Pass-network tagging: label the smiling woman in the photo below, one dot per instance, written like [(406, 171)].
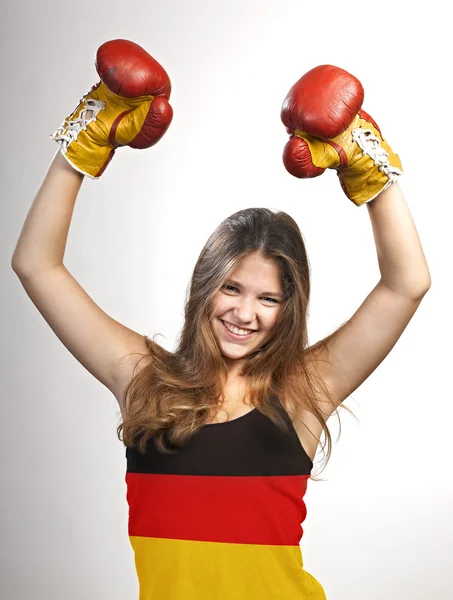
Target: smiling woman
[(216, 505), (243, 477), (241, 312), (244, 337)]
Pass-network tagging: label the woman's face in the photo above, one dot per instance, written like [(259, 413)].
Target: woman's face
[(249, 299)]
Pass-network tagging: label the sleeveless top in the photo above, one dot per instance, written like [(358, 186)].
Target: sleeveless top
[(221, 519)]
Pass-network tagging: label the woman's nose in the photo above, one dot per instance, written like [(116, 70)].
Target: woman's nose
[(244, 312)]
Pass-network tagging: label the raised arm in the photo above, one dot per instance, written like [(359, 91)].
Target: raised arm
[(363, 342), (330, 130), (95, 339), (100, 343), (42, 241)]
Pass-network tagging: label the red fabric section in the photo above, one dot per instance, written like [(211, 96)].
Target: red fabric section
[(249, 510)]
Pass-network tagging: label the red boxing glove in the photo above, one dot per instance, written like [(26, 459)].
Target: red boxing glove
[(130, 72), (322, 113), (129, 106)]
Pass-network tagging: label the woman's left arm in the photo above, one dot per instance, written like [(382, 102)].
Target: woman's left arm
[(402, 262), (357, 348), (329, 129)]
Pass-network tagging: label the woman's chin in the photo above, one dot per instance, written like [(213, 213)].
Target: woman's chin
[(236, 353), (233, 355)]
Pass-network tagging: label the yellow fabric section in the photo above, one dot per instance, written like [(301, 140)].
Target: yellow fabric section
[(170, 569), (362, 180), (91, 148), (322, 155), (131, 124)]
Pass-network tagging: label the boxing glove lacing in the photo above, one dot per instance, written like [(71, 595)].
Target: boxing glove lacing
[(69, 130), (371, 145)]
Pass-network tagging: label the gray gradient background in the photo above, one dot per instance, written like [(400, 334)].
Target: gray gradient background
[(380, 526)]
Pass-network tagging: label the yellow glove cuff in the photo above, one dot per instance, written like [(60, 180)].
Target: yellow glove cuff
[(101, 122), (365, 163)]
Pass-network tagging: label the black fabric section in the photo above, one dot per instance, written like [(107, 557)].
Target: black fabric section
[(249, 446)]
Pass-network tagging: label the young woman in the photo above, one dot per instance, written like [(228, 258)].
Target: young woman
[(221, 434)]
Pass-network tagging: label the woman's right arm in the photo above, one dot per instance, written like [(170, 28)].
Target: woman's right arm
[(96, 340), (89, 136)]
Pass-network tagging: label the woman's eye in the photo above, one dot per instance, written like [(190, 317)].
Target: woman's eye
[(231, 287)]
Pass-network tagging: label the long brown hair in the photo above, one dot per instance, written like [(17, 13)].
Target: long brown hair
[(176, 393)]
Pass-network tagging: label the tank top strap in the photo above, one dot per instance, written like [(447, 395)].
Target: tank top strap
[(291, 429), (275, 400)]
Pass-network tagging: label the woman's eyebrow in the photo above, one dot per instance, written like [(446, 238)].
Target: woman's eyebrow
[(239, 285)]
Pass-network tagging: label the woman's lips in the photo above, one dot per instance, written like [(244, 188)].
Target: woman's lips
[(236, 336)]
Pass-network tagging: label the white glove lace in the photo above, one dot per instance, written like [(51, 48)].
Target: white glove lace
[(69, 130), (370, 145)]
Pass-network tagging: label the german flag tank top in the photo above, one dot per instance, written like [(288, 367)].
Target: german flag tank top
[(221, 519)]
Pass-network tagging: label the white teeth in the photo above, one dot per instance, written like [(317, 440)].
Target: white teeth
[(236, 329)]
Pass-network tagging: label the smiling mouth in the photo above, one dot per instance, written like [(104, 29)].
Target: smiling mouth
[(249, 331)]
